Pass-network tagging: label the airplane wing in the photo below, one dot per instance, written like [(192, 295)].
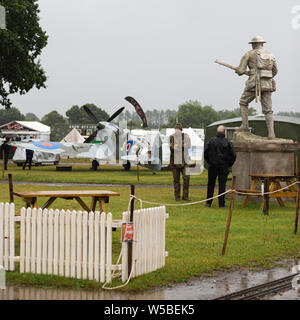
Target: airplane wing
[(49, 147)]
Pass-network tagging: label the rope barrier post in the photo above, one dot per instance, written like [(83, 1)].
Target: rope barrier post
[(266, 197), (297, 205), (229, 214), (11, 190), (3, 157), (132, 192)]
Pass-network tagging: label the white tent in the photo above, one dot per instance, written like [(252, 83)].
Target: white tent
[(27, 130), (73, 136)]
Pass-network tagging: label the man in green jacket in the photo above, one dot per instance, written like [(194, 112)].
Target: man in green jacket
[(179, 146)]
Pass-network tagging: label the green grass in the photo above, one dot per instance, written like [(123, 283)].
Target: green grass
[(75, 160), (194, 238), (105, 174)]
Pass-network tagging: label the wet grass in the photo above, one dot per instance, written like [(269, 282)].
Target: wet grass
[(194, 238), (105, 175)]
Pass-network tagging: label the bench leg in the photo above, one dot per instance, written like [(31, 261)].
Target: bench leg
[(280, 201), (102, 204), (292, 188), (252, 187), (94, 203), (81, 202), (48, 203)]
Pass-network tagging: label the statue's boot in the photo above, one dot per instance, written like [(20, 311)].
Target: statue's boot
[(270, 125), (244, 114)]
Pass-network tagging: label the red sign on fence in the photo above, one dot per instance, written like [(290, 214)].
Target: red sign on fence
[(127, 232)]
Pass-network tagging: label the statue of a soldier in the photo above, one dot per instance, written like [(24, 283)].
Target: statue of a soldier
[(262, 69)]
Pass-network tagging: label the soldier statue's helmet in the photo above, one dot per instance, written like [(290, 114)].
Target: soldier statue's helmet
[(257, 39), (178, 126)]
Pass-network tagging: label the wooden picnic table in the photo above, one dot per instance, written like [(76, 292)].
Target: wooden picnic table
[(100, 196), (274, 182)]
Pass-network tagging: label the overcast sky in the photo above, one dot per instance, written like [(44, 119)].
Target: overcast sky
[(161, 52)]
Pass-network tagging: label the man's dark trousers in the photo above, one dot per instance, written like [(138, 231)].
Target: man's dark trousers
[(29, 161), (222, 174), (6, 154), (5, 149), (29, 156), (177, 186)]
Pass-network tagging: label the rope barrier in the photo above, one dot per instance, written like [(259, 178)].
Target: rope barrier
[(265, 193), (212, 198), (181, 205)]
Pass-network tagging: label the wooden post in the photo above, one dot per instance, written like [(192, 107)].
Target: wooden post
[(297, 206), (3, 163), (11, 188), (266, 197), (132, 192), (138, 172), (297, 172), (229, 215)]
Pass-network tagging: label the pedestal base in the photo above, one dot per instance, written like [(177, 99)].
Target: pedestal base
[(257, 155)]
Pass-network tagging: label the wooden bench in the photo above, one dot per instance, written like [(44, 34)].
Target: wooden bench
[(274, 182)]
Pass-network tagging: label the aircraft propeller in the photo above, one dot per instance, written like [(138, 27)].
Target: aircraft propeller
[(100, 126)]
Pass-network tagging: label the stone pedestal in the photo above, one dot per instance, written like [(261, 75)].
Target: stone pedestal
[(257, 155)]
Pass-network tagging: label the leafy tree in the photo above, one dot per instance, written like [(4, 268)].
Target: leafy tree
[(235, 113), (57, 123), (192, 114), (155, 118), (20, 46), (169, 113), (77, 115), (31, 117), (12, 114), (251, 111), (53, 118), (289, 114)]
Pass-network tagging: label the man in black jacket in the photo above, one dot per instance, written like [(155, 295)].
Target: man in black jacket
[(220, 155), (5, 148)]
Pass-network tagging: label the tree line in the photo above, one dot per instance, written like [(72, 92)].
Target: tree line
[(190, 114)]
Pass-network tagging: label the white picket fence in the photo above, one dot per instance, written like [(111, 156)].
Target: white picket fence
[(7, 236), (66, 243), (79, 244), (148, 252)]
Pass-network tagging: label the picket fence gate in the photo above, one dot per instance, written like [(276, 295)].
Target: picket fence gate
[(148, 247), (66, 243), (79, 244)]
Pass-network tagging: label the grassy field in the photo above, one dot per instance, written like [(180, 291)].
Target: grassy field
[(194, 238), (105, 174)]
